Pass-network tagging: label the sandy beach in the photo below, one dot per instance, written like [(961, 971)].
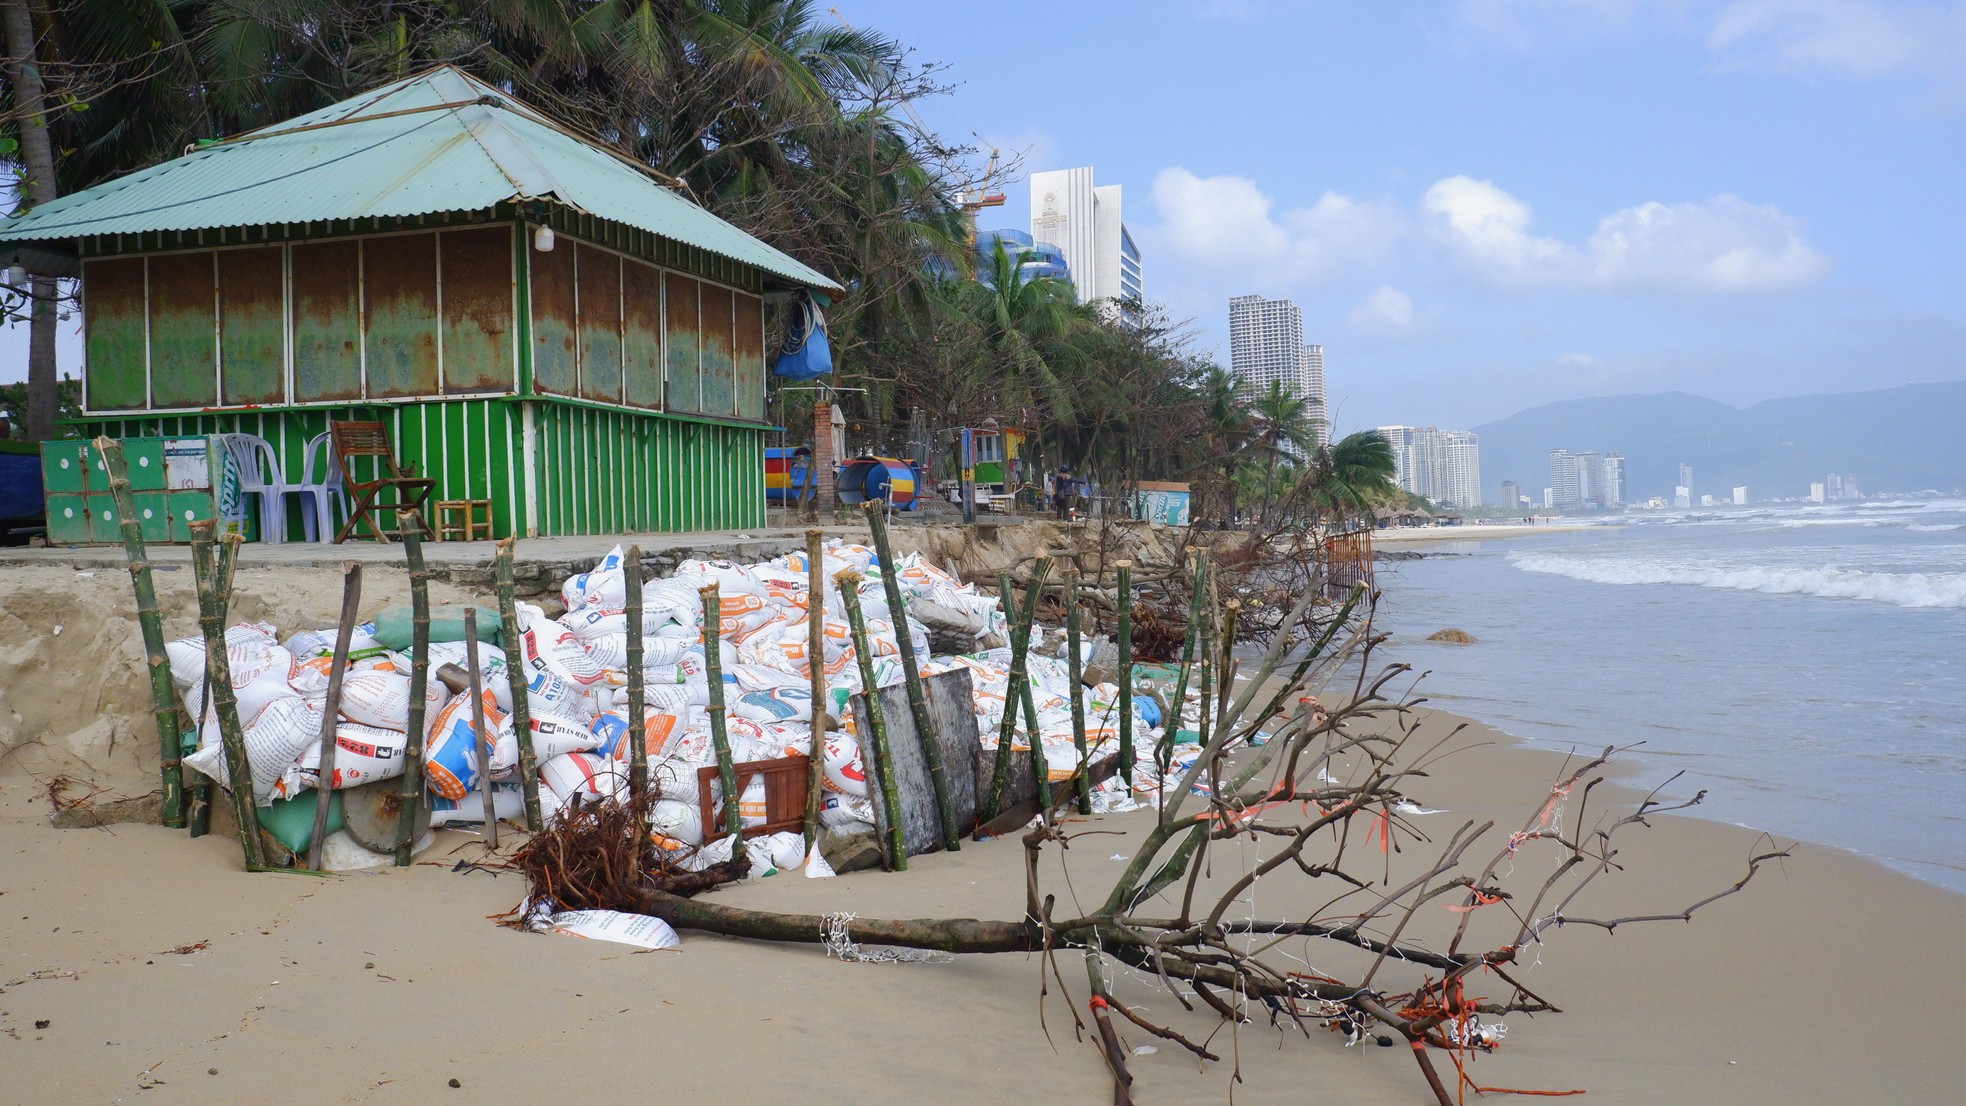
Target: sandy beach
[(153, 960)]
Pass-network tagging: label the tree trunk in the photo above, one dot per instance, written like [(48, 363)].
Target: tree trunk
[(38, 160), (945, 934)]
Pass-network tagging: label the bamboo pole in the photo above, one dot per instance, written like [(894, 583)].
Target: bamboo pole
[(1165, 754), (1225, 665), (1020, 642), (1126, 668), (351, 603), (873, 744), (218, 687), (816, 669), (411, 793), (1040, 771), (938, 774), (486, 739), (1076, 666), (713, 641), (515, 676), (198, 817), (637, 736), (163, 699)]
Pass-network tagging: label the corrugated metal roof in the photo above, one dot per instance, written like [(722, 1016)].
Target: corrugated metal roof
[(441, 141)]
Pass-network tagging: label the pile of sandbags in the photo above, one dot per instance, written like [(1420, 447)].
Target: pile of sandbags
[(574, 671)]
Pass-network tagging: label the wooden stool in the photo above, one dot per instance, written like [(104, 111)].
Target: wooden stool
[(469, 526)]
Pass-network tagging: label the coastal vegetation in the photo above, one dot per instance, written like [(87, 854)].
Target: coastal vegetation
[(772, 114)]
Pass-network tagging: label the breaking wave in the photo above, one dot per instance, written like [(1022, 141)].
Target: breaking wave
[(1906, 589), (1939, 529)]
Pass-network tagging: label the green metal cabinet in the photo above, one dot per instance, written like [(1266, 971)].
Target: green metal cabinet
[(68, 519)]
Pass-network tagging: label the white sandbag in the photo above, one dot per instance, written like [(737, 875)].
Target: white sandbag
[(610, 732), (508, 803), (363, 754), (582, 775), (639, 930), (376, 698), (588, 623), (547, 646), (551, 736), (676, 824), (846, 813), (602, 586), (455, 757), (273, 739), (780, 704), (840, 768), (786, 848)]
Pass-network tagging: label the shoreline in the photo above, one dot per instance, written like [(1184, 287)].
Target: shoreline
[(1411, 535)]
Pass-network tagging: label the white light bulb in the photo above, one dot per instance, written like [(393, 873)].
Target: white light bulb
[(542, 239)]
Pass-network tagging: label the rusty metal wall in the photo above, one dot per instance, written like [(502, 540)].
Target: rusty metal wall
[(719, 382), (399, 316), (748, 355), (641, 341), (554, 326), (183, 331), (252, 325), (326, 278), (478, 310), (599, 282), (117, 369), (680, 339)]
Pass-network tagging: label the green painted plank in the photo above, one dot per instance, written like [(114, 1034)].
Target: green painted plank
[(183, 334), (116, 359), (252, 321)]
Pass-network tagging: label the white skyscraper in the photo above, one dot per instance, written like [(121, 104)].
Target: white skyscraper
[(1084, 222), (1613, 483), (1441, 465), (1266, 345)]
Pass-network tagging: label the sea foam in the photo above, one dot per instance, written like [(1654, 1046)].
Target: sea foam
[(1906, 589)]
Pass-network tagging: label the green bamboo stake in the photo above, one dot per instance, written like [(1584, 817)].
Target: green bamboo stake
[(351, 605), (198, 816), (486, 739), (816, 670), (1164, 755), (1225, 662), (719, 731), (218, 687), (515, 678), (873, 745), (1077, 671), (1020, 642), (637, 736), (1040, 771), (938, 775), (1126, 669), (410, 794), (163, 700)]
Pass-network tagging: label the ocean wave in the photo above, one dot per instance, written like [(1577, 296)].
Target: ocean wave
[(1907, 589), (1937, 529)]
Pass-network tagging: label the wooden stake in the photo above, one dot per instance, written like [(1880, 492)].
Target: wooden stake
[(1076, 667), (1020, 641), (1126, 669), (486, 739), (713, 640), (411, 793), (218, 687), (163, 699), (1164, 755), (637, 735), (873, 736), (816, 668), (351, 603), (938, 775), (198, 817), (515, 677)]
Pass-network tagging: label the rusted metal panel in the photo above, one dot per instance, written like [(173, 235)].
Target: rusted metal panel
[(680, 338), (719, 388), (477, 295), (553, 323), (183, 333), (117, 365), (748, 355), (399, 315), (327, 334), (252, 310), (600, 324), (641, 334)]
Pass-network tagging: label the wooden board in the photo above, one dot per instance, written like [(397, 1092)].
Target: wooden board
[(952, 712)]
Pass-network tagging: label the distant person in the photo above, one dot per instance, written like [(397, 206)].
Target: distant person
[(1064, 494)]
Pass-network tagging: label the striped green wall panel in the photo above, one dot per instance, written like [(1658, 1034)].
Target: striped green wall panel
[(613, 472)]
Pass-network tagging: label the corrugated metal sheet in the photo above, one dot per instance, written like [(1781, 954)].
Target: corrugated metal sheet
[(488, 150)]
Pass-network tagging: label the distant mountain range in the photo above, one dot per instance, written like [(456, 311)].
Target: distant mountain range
[(1896, 439)]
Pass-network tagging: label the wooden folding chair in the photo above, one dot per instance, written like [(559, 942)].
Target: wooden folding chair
[(371, 439)]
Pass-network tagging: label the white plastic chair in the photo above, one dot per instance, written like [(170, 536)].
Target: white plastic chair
[(319, 493), (259, 474)]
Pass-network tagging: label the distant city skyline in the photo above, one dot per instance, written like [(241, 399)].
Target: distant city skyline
[(1266, 342), (1440, 465)]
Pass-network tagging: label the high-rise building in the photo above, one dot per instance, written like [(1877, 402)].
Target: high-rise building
[(1740, 495), (1033, 258), (1850, 486), (1833, 487), (1511, 494), (1612, 486), (1564, 493), (1589, 494), (1266, 346), (1441, 465), (1084, 222), (1816, 493)]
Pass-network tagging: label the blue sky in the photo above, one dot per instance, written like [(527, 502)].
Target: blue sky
[(1485, 205)]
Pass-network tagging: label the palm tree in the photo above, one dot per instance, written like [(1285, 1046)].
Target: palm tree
[(1025, 320), (1226, 432), (1283, 429), (1348, 477)]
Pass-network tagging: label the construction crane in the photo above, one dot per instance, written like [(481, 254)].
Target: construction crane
[(970, 203)]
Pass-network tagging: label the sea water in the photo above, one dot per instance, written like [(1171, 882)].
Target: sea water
[(1805, 666)]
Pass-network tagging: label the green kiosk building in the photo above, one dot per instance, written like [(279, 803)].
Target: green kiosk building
[(539, 322)]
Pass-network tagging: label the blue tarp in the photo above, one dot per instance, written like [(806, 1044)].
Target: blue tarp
[(20, 485)]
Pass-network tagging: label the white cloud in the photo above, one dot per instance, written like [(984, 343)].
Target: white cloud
[(1524, 24), (1719, 245), (1842, 38), (1386, 311), (1228, 225)]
